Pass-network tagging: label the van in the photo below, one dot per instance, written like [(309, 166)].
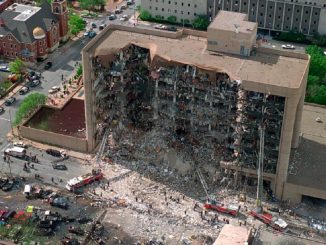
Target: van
[(16, 152), (27, 190)]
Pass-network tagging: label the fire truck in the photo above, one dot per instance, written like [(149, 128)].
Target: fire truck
[(230, 209), (78, 182), (267, 218)]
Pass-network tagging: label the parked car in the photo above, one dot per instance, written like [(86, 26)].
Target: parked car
[(20, 144), (2, 109), (124, 7), (130, 2), (48, 65), (86, 33), (32, 84), (288, 46), (8, 186), (3, 181), (59, 166), (118, 11), (8, 215), (91, 34), (54, 89), (56, 153), (24, 90), (94, 25), (59, 202), (161, 27), (102, 26), (112, 17), (10, 101), (172, 28), (4, 68)]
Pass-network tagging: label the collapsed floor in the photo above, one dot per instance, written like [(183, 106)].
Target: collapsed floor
[(192, 118)]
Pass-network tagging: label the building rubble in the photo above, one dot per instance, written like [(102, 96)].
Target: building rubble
[(159, 108)]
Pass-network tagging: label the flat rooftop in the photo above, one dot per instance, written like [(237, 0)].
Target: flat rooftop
[(268, 71), (232, 21), (26, 11), (233, 235), (308, 165)]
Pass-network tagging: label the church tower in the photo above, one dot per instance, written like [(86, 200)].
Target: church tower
[(59, 8)]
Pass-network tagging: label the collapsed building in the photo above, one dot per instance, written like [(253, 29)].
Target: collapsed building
[(204, 98)]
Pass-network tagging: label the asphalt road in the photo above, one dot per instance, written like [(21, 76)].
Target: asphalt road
[(64, 60), (44, 168)]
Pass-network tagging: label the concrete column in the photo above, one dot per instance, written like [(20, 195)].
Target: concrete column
[(285, 145), (297, 125), (89, 101)]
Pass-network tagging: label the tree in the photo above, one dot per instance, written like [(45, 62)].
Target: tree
[(86, 4), (28, 106), (18, 67), (201, 22), (76, 24), (172, 19), (145, 15)]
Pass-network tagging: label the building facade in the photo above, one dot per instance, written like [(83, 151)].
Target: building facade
[(306, 16), (190, 87), (181, 9), (30, 32)]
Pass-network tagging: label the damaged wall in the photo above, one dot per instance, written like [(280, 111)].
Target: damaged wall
[(203, 116)]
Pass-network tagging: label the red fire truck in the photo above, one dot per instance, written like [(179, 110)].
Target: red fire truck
[(231, 209), (275, 222), (83, 180)]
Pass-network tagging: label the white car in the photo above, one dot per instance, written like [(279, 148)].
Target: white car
[(20, 144), (86, 33), (161, 27), (54, 89), (288, 46), (123, 18)]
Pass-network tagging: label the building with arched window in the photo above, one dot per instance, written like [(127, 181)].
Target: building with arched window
[(31, 32)]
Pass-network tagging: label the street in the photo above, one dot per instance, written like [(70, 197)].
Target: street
[(44, 168)]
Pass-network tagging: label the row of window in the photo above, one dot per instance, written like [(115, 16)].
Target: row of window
[(175, 11), (175, 3)]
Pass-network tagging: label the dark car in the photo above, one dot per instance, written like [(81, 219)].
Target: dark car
[(8, 186), (112, 17), (3, 181), (53, 152), (118, 11), (48, 65), (59, 202), (10, 101), (59, 166), (24, 90), (124, 7), (91, 34), (32, 84), (94, 25), (8, 215), (84, 220), (101, 27), (2, 109), (130, 2), (172, 28)]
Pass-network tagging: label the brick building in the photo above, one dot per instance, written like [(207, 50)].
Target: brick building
[(31, 32)]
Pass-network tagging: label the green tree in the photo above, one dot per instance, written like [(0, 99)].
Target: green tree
[(79, 71), (172, 19), (76, 24), (145, 15), (201, 22), (18, 67), (28, 106), (87, 5)]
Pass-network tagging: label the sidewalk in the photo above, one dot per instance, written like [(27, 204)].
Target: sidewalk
[(12, 93)]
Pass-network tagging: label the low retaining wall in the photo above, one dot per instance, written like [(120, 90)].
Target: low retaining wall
[(50, 138)]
